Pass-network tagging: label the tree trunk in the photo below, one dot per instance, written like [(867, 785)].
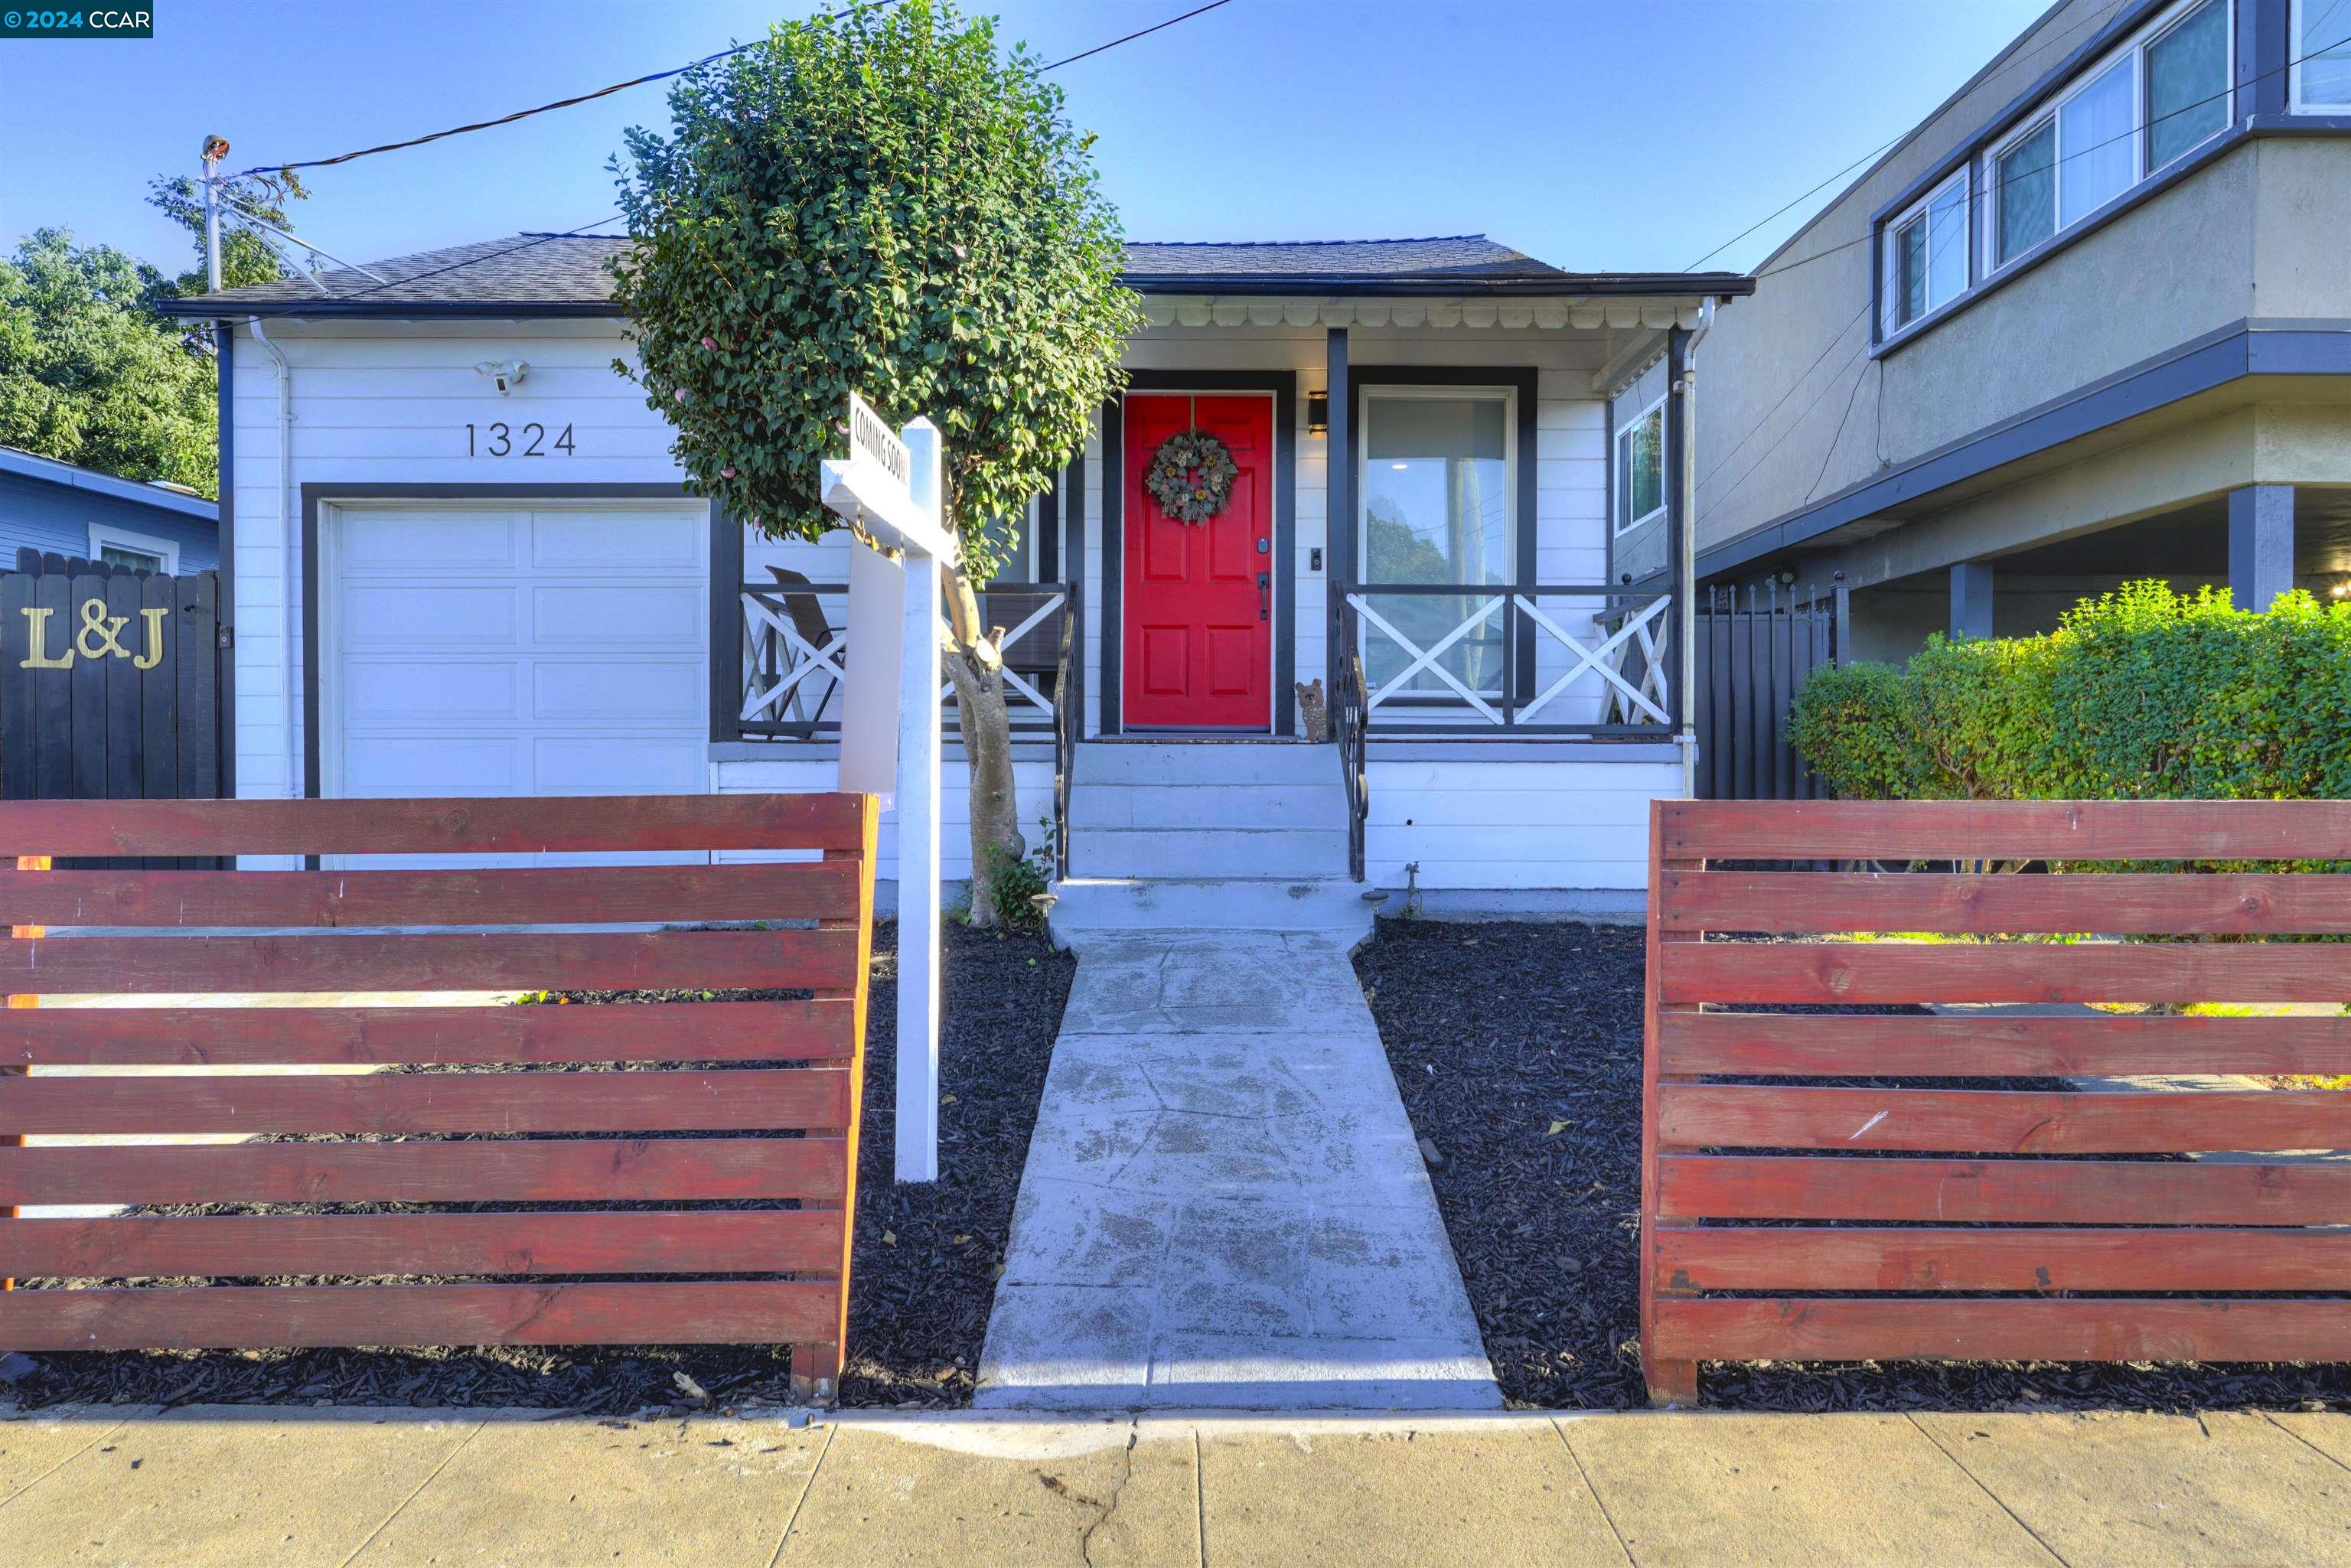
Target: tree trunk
[(975, 663)]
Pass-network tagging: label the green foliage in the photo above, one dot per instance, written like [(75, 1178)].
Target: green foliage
[(2142, 693), (245, 256), (1855, 724), (1017, 881), (875, 202), (89, 372)]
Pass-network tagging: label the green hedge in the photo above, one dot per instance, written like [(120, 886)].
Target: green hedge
[(2144, 693)]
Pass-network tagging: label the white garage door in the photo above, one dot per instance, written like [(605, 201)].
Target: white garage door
[(509, 650)]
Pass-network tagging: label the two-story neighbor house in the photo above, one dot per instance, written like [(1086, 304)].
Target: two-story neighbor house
[(465, 564), (2091, 320)]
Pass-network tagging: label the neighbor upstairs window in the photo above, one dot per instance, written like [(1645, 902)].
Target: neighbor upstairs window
[(2188, 82), (2137, 112), (1927, 253), (2322, 80)]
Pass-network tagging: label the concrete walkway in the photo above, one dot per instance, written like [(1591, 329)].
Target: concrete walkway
[(1224, 1205), (227, 1489)]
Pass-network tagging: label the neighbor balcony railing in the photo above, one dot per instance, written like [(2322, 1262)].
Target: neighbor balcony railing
[(1495, 662), (796, 650)]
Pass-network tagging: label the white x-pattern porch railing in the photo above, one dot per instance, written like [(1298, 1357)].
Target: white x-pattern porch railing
[(1627, 653), (793, 664)]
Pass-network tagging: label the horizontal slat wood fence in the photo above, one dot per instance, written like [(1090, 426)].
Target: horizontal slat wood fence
[(1931, 1220), (727, 1101)]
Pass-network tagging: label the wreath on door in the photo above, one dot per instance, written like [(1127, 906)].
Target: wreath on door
[(1191, 476)]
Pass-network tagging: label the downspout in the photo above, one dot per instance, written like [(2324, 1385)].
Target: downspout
[(286, 545), (1686, 591)]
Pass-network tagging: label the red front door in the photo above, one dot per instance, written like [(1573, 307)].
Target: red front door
[(1198, 615)]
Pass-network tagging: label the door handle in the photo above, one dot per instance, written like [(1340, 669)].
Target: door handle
[(1264, 581)]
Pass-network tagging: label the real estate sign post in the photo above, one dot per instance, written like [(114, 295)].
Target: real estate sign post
[(890, 740)]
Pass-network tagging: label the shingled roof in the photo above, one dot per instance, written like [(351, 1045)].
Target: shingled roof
[(565, 275)]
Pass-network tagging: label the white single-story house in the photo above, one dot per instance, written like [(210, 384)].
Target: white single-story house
[(465, 564)]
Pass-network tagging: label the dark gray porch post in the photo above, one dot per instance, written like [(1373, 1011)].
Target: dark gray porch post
[(1971, 599), (1339, 497), (2261, 544)]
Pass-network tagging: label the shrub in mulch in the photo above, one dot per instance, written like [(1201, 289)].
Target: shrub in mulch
[(1517, 1049), (921, 1282)]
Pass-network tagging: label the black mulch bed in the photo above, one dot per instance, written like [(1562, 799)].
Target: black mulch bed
[(921, 1284), (1496, 1032)]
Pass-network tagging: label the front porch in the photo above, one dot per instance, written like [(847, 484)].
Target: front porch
[(1415, 581)]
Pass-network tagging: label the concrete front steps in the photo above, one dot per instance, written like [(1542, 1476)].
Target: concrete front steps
[(1208, 835)]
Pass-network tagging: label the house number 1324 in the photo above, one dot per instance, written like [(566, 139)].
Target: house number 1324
[(514, 441)]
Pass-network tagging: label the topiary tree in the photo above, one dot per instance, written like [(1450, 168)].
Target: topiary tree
[(880, 203)]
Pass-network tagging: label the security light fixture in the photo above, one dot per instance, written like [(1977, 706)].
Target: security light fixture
[(505, 374), (1318, 414)]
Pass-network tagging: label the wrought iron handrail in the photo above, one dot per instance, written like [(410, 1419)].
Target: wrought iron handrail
[(1067, 722), (1625, 661), (1348, 718)]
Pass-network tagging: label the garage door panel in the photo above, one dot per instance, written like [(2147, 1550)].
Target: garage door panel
[(485, 649), (404, 538), (653, 541), (380, 615), (643, 617), (377, 688), (434, 764), (621, 765), (659, 691)]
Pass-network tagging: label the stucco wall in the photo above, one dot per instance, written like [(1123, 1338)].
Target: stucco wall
[(1796, 406)]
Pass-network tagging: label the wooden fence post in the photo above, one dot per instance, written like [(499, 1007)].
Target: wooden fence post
[(816, 1368), (1670, 1382), (17, 1140)]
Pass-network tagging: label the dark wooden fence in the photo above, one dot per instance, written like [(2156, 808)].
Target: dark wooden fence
[(733, 1099), (1776, 1227), (111, 684), (1756, 646)]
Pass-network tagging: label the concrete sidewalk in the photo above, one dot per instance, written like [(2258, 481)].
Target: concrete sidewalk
[(1223, 1206), (212, 1488)]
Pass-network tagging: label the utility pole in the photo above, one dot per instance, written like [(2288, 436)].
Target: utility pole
[(216, 149)]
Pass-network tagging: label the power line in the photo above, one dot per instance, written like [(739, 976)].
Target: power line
[(1145, 33), (530, 243), (2035, 53), (1793, 382), (538, 240), (2001, 181), (1873, 237), (517, 114)]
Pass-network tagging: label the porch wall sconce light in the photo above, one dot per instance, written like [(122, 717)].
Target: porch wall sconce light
[(1318, 414)]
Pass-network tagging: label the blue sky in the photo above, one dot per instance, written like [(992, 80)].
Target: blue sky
[(1595, 136)]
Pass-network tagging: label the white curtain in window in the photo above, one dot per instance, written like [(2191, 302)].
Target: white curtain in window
[(2325, 53), (2094, 136), (2186, 84)]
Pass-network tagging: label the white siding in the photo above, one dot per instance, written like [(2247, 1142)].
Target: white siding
[(1033, 773), (1472, 822), (378, 403), (386, 403)]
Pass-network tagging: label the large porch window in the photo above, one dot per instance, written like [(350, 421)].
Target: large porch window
[(1439, 508)]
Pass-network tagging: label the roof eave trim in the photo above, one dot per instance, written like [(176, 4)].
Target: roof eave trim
[(1557, 286), (205, 308)]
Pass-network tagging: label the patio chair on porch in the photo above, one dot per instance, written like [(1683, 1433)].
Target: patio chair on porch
[(802, 607)]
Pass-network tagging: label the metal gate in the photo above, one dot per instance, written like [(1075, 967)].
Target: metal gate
[(1756, 646), (111, 683)]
